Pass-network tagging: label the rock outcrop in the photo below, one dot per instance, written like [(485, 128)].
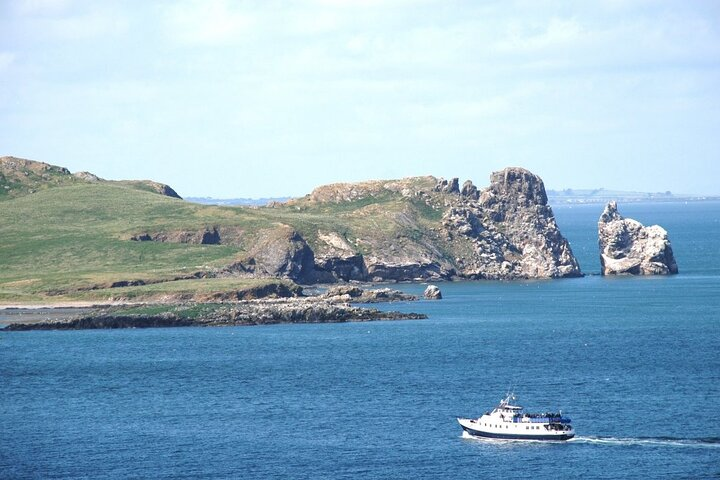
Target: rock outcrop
[(469, 190), (87, 177), (354, 294), (283, 253), (432, 292), (509, 231), (164, 189), (335, 256), (206, 236), (151, 186), (20, 176), (628, 247), (448, 186)]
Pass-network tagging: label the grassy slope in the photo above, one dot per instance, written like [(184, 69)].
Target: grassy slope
[(74, 237)]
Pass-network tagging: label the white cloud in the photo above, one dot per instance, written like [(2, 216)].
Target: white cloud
[(528, 38), (212, 22)]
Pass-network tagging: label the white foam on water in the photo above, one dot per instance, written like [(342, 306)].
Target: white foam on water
[(616, 441), (650, 441)]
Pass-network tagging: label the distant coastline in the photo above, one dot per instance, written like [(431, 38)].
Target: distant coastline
[(555, 197), (601, 195), (243, 202)]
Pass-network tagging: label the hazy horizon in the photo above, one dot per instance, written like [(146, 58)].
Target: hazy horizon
[(237, 99)]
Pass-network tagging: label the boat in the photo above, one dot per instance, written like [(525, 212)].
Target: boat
[(508, 421)]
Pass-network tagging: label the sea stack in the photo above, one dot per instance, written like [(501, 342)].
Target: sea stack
[(508, 230), (627, 247)]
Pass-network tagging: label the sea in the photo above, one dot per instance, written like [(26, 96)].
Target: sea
[(635, 362)]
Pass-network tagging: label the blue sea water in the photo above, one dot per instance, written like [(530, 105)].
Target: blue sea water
[(635, 362)]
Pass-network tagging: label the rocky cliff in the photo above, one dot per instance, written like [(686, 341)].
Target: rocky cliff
[(420, 228), (507, 230), (628, 247)]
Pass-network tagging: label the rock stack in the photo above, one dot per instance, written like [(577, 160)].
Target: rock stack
[(509, 230), (629, 248)]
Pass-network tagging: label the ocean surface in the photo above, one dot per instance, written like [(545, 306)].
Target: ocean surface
[(635, 362)]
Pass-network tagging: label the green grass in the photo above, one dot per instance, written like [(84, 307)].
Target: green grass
[(77, 236), (179, 290), (189, 311), (59, 242)]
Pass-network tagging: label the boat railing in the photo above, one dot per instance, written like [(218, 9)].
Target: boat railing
[(540, 419)]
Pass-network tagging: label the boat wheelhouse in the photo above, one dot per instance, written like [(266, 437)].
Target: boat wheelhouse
[(508, 421)]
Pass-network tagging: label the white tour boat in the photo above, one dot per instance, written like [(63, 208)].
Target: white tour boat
[(508, 421)]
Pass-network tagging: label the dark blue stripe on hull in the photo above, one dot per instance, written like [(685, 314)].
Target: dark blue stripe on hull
[(508, 436)]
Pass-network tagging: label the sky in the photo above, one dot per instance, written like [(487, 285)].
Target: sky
[(233, 99)]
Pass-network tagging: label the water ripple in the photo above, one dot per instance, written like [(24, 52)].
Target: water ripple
[(712, 442)]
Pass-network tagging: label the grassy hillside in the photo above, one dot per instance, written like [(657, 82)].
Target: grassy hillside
[(72, 241), (74, 237)]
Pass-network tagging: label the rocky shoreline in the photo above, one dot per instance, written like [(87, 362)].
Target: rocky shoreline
[(331, 307)]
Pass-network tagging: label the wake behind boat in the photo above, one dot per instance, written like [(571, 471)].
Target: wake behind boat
[(507, 421)]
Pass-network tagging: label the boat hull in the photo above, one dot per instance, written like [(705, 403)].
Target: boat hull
[(517, 436)]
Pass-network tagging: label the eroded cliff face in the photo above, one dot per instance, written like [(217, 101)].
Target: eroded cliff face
[(506, 231), (510, 230), (280, 252), (629, 248)]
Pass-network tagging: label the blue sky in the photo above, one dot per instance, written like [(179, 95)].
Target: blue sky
[(264, 98)]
